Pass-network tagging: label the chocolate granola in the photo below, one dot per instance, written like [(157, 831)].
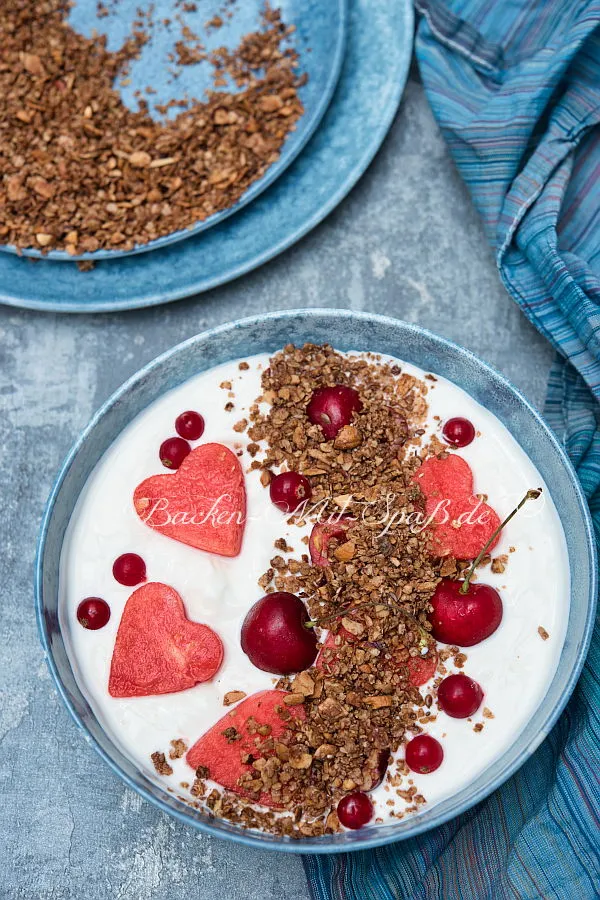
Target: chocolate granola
[(80, 171), (360, 699)]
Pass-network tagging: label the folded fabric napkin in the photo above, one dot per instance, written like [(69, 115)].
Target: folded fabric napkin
[(515, 87)]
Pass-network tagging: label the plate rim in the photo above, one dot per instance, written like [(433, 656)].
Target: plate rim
[(248, 838), (276, 247), (275, 171)]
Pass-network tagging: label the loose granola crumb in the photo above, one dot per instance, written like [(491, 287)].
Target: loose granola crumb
[(232, 697), (499, 564), (160, 763), (178, 748)]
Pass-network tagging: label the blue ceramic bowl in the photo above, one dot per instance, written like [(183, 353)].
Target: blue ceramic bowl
[(346, 331), (320, 39)]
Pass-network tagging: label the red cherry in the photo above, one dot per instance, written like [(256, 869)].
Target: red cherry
[(459, 696), (464, 619), (274, 636), (190, 425), (424, 754), (320, 536), (129, 569), (458, 432), (355, 810), (173, 451), (332, 408), (288, 490), (93, 613)]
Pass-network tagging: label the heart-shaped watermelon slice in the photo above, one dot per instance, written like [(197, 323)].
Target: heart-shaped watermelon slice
[(158, 650), (221, 751), (202, 504), (461, 524)]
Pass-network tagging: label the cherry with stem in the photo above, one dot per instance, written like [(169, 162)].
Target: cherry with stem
[(532, 494)]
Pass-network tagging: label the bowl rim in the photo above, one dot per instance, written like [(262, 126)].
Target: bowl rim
[(254, 190), (277, 843)]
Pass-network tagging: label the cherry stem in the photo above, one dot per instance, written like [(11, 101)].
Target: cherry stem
[(530, 495)]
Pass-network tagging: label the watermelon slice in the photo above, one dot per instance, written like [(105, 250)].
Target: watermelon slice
[(202, 504), (461, 524), (222, 756), (157, 649)]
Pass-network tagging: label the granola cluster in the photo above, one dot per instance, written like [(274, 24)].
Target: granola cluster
[(80, 171), (363, 694)]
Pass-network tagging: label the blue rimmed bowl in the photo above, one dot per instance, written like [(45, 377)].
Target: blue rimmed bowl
[(346, 331)]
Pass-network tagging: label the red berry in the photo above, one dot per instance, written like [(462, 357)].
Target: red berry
[(459, 696), (274, 636), (464, 619), (355, 810), (129, 569), (424, 754), (320, 536), (332, 408), (288, 490), (190, 425), (173, 451), (93, 613), (458, 432)]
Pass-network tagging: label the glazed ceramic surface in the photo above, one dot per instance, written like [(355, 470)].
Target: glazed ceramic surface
[(347, 331), (376, 64), (320, 39)]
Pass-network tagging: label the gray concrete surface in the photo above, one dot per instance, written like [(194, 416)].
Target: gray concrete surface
[(406, 242)]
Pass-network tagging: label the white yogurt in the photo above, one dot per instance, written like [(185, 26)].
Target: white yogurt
[(514, 666)]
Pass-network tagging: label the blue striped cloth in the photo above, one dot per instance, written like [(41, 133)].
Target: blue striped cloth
[(515, 87)]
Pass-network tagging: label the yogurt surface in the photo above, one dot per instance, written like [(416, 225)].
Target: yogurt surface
[(514, 666)]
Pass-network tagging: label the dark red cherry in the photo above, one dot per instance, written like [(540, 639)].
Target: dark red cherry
[(459, 696), (190, 425), (355, 810), (464, 619), (129, 569), (173, 451), (332, 408), (424, 754), (289, 490), (93, 613), (274, 636), (458, 431)]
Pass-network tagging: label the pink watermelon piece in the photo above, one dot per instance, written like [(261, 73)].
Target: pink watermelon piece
[(422, 668), (202, 504), (158, 650), (223, 757), (462, 524)]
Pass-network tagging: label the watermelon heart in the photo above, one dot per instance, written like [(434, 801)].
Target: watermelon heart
[(202, 504), (158, 650), (223, 757), (462, 524)]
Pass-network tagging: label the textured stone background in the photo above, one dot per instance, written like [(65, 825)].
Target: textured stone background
[(406, 242)]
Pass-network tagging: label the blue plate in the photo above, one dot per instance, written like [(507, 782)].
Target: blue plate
[(346, 331), (376, 65), (320, 38)]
